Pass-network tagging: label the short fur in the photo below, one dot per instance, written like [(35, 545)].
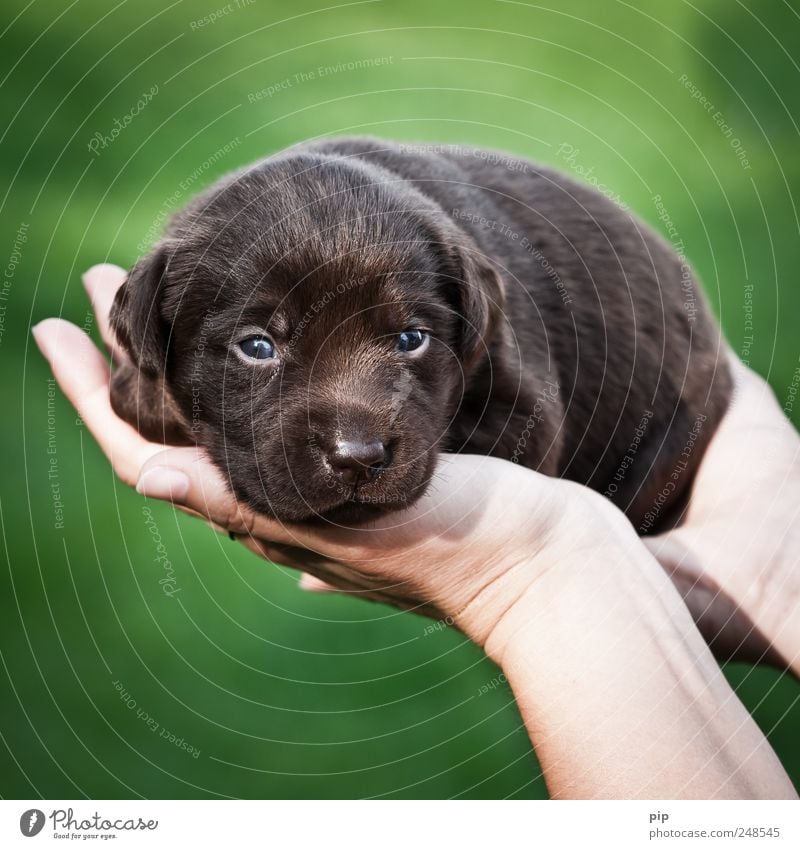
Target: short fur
[(565, 334)]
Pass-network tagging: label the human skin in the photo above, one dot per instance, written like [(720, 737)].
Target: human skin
[(618, 690), (736, 555)]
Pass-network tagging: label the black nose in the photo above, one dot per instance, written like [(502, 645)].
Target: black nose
[(352, 459)]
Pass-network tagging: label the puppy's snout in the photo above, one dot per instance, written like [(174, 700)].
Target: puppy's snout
[(358, 459)]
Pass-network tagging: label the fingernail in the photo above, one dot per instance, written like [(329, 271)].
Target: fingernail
[(162, 482)]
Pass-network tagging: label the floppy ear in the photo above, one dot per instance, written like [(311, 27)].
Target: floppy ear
[(139, 391), (476, 293), (136, 315)]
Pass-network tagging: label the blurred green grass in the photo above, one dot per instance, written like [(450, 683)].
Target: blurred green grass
[(287, 694)]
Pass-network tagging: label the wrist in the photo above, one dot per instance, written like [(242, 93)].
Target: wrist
[(582, 555), (592, 592)]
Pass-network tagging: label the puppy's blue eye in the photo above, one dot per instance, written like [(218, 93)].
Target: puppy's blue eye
[(411, 340), (257, 348)]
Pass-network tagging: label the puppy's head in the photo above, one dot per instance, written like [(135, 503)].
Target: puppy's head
[(312, 323)]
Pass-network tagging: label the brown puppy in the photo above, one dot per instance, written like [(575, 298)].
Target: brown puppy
[(328, 320)]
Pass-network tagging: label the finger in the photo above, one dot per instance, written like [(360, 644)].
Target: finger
[(267, 551), (337, 577), (188, 478), (83, 374), (101, 283)]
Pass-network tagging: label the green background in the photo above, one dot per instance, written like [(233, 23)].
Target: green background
[(289, 694)]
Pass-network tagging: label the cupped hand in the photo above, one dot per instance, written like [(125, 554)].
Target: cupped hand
[(736, 555), (466, 551)]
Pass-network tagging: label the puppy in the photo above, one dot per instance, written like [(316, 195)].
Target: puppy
[(327, 321)]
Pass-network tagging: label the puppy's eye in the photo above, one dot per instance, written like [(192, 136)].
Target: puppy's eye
[(412, 340), (257, 348)]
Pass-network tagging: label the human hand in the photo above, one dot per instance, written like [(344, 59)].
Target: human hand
[(475, 543), (735, 556)]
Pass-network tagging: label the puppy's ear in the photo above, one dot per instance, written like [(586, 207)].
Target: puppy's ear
[(476, 293), (136, 314), (139, 391), (145, 402)]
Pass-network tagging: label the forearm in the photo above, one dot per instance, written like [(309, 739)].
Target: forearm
[(619, 693)]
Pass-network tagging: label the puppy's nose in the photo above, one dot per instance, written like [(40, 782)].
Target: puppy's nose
[(352, 459)]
